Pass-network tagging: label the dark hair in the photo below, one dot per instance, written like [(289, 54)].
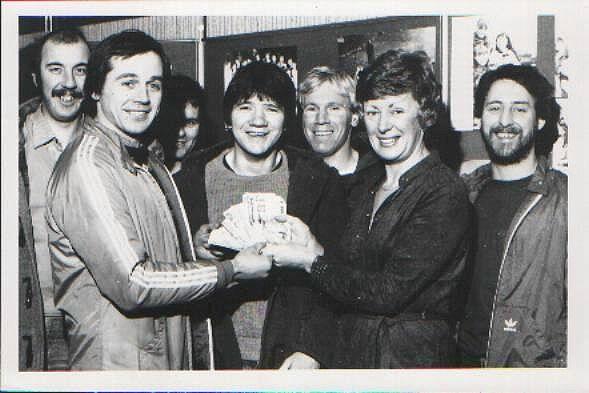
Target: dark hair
[(398, 72), (61, 36), (179, 90), (125, 44), (508, 45), (265, 80), (538, 86)]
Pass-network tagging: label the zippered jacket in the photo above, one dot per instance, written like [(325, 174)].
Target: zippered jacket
[(528, 325), (122, 255), (31, 326)]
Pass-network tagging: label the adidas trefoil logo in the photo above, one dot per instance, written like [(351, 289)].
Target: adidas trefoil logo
[(510, 325)]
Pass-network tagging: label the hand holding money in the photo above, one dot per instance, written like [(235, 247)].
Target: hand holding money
[(251, 264), (201, 243), (252, 221)]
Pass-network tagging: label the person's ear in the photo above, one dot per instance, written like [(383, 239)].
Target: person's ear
[(228, 128), (541, 123), (35, 81), (355, 119)]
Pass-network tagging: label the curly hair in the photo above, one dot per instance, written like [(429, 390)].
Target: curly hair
[(398, 72), (539, 88)]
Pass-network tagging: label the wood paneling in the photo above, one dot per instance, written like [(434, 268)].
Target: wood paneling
[(218, 26), (170, 28)]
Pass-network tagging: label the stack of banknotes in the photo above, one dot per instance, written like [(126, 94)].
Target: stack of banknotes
[(259, 218)]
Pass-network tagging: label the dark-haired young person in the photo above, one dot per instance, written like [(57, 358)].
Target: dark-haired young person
[(400, 261), (516, 310), (120, 246), (47, 124), (181, 125), (262, 323)]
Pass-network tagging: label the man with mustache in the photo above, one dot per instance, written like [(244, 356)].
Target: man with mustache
[(121, 250), (59, 72), (516, 308)]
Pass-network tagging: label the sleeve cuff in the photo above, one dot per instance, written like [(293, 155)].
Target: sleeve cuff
[(225, 273), (318, 269)]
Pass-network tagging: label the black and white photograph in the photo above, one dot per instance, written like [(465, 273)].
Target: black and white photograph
[(357, 51), (285, 58), (201, 201)]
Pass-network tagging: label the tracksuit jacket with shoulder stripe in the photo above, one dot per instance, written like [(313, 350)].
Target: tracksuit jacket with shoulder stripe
[(121, 251)]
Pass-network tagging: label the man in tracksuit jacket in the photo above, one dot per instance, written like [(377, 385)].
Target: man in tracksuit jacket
[(121, 248), (516, 308)]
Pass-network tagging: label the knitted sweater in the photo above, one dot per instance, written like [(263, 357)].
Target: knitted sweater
[(225, 188)]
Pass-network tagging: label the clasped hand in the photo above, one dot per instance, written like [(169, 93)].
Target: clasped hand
[(300, 252)]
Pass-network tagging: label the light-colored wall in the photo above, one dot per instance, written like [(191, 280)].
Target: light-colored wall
[(191, 27), (218, 26), (173, 28)]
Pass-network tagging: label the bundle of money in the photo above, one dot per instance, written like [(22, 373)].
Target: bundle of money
[(252, 221)]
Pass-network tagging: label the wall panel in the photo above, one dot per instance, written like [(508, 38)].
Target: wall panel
[(218, 26)]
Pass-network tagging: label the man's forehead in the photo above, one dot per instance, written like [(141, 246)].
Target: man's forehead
[(328, 90), (53, 51), (508, 90), (147, 63)]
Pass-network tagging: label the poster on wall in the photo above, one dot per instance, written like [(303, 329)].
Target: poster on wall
[(284, 57), (561, 92), (482, 43), (358, 50)]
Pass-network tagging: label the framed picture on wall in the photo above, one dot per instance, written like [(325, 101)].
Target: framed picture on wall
[(283, 57), (358, 50), (479, 43)]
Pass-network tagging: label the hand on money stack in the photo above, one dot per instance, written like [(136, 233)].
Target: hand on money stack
[(259, 218)]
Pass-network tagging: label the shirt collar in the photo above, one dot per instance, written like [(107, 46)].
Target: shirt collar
[(538, 184), (376, 172), (42, 132)]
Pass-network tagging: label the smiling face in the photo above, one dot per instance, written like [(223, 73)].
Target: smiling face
[(188, 132), (508, 122), (62, 75), (328, 119), (392, 124), (257, 125), (131, 94)]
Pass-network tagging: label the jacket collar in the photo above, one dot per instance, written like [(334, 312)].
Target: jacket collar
[(133, 152), (481, 176)]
